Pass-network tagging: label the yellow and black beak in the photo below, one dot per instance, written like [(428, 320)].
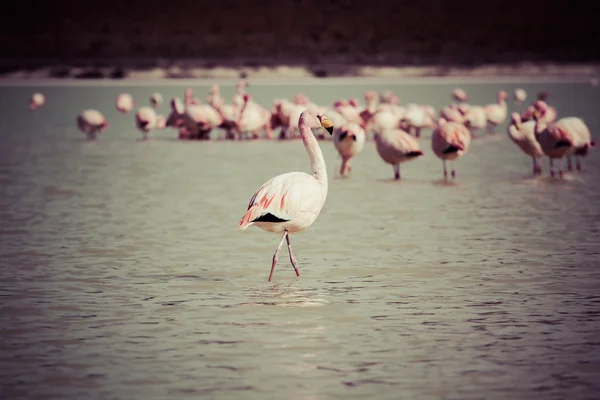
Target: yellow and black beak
[(327, 124)]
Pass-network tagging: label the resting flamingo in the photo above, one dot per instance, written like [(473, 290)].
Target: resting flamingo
[(37, 100), (291, 202), (449, 141), (395, 146), (523, 135), (124, 103), (349, 140), (91, 122)]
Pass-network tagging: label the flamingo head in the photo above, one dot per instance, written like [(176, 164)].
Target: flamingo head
[(246, 98), (326, 123), (543, 95), (502, 95), (104, 124), (353, 102), (593, 143)]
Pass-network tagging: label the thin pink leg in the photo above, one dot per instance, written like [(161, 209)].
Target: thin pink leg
[(276, 255), (445, 170), (397, 172), (292, 258)]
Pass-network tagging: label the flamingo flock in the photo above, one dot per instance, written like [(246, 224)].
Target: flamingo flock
[(291, 202), (395, 129)]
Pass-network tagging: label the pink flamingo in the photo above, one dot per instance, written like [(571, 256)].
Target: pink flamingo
[(459, 94), (366, 115), (37, 100), (582, 140), (556, 139), (449, 141), (395, 146), (249, 120), (496, 113), (476, 119), (291, 202), (146, 119), (91, 122), (124, 103), (453, 113), (520, 95), (156, 99), (523, 135), (349, 140)]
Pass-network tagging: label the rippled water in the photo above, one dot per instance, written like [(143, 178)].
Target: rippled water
[(123, 275)]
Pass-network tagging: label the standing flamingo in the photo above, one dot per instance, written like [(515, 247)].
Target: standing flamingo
[(449, 141), (37, 100), (91, 122), (146, 119), (395, 146), (496, 113), (291, 202), (523, 135), (349, 140), (556, 139), (124, 103), (520, 95)]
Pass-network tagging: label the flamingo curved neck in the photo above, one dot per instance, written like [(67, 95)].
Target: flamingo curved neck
[(317, 162)]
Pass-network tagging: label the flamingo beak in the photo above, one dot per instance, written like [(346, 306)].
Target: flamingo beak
[(327, 124), (536, 114)]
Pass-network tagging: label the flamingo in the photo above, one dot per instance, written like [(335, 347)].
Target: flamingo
[(556, 139), (349, 140), (520, 95), (523, 135), (418, 117), (449, 141), (453, 113), (291, 202), (395, 146), (459, 94), (37, 100), (496, 113), (146, 119), (189, 98), (91, 122), (124, 103), (582, 140), (475, 119), (156, 99)]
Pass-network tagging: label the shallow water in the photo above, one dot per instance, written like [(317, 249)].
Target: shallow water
[(123, 275)]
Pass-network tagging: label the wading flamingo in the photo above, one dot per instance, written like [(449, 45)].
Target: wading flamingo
[(146, 119), (523, 135), (349, 140), (124, 103), (449, 141), (395, 146), (91, 122), (291, 202), (37, 100), (582, 140), (556, 139), (520, 95), (496, 113)]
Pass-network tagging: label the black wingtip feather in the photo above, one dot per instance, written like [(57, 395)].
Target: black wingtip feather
[(451, 149), (268, 217)]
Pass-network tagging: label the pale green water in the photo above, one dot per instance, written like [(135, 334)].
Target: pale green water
[(123, 275)]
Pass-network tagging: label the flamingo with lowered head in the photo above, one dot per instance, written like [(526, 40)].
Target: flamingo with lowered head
[(349, 140), (91, 122), (523, 135), (395, 146), (449, 141), (124, 103), (37, 100), (146, 119), (291, 202)]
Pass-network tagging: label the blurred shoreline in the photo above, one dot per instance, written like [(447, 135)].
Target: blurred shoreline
[(189, 70)]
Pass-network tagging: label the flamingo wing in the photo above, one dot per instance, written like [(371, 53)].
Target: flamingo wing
[(282, 199)]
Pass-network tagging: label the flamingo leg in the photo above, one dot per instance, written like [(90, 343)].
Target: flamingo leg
[(551, 167), (276, 255), (560, 167), (453, 171), (578, 163), (418, 132), (537, 169), (569, 164), (397, 172), (292, 258), (445, 170)]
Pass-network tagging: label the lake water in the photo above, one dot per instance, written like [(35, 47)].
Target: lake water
[(122, 273)]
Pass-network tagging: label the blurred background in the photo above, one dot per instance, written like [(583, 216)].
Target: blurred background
[(325, 35)]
